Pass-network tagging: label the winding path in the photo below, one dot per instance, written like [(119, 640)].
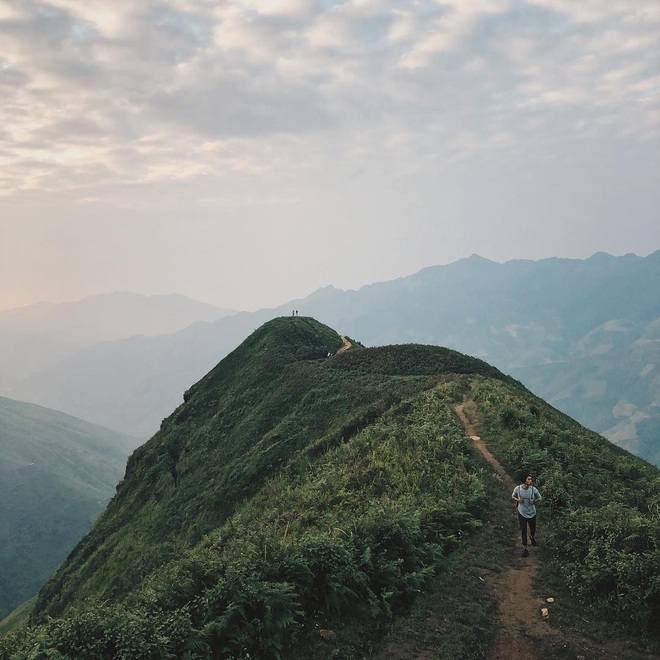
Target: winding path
[(519, 610), (522, 631), (345, 346)]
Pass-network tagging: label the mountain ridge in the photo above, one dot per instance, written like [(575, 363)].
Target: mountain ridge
[(200, 402), (298, 490), (521, 317)]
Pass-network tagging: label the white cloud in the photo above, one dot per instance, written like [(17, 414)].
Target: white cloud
[(264, 67), (205, 102)]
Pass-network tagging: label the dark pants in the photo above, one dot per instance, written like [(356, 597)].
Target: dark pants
[(523, 528)]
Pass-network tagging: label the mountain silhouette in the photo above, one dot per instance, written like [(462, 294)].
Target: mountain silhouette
[(582, 334)]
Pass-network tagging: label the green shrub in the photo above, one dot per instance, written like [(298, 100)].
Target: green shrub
[(600, 510)]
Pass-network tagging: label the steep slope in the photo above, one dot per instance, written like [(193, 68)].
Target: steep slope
[(57, 473), (582, 334), (143, 377), (271, 397), (301, 500)]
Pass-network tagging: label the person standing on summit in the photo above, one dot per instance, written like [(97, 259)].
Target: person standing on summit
[(527, 495)]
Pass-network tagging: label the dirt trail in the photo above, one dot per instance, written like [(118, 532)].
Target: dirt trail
[(519, 610), (523, 632), (346, 345)]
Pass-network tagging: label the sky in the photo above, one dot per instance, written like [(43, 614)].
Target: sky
[(247, 152)]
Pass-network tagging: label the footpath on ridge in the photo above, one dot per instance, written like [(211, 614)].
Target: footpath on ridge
[(345, 345), (522, 630), (519, 609)]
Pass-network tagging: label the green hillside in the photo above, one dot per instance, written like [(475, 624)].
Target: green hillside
[(302, 500), (57, 473)]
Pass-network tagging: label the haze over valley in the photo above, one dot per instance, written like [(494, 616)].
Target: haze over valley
[(57, 473)]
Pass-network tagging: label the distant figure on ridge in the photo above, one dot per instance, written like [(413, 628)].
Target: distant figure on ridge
[(526, 495)]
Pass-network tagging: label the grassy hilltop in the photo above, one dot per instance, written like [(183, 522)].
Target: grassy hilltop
[(302, 501)]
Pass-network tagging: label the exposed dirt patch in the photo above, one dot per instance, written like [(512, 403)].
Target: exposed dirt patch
[(480, 445), (346, 345)]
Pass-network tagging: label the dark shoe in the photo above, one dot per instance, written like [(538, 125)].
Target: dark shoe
[(525, 552), (534, 543)]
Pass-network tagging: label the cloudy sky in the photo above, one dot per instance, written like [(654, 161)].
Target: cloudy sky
[(247, 152)]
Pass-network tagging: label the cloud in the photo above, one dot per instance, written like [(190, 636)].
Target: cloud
[(230, 106), (286, 8), (138, 92)]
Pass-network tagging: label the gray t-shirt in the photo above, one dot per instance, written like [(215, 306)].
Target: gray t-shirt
[(525, 508)]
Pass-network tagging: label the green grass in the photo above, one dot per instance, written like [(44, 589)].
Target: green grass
[(276, 394), (294, 493), (18, 618), (454, 618), (601, 513)]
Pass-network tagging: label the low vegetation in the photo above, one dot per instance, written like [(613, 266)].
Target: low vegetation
[(299, 503), (602, 507)]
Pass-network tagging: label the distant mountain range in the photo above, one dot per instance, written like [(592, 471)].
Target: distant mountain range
[(57, 473), (583, 334), (38, 337)]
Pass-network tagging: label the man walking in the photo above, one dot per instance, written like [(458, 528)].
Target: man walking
[(527, 495)]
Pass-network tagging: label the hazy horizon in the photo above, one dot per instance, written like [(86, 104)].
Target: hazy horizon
[(287, 300), (247, 153)]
